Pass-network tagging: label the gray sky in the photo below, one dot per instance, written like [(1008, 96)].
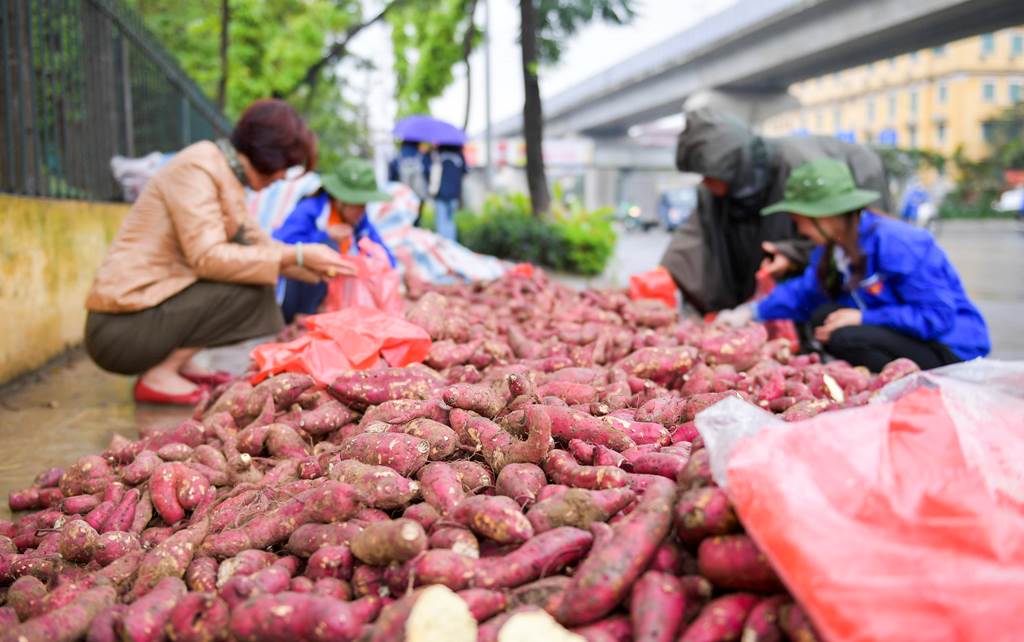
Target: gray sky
[(596, 48)]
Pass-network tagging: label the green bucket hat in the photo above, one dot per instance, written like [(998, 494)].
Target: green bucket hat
[(354, 182), (822, 188)]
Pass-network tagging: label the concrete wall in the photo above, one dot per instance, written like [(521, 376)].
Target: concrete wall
[(49, 252)]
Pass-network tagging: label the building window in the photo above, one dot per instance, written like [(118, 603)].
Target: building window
[(943, 93), (940, 133), (1016, 92), (988, 44), (939, 51), (913, 103), (988, 91), (988, 132), (892, 106), (1017, 45)]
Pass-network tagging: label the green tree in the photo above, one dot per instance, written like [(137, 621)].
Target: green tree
[(428, 44)]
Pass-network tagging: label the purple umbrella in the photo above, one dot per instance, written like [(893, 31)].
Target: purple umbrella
[(424, 129)]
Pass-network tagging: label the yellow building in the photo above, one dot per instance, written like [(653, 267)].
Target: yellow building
[(936, 99)]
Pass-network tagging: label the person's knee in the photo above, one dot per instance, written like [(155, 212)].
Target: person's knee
[(844, 339), (821, 313)]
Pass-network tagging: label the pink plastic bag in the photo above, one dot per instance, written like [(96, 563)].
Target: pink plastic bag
[(375, 285), (900, 520), (337, 342)]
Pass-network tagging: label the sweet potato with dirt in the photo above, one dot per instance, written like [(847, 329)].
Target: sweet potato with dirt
[(704, 512), (174, 489), (284, 442), (26, 596), (90, 474), (308, 538), (244, 563), (497, 518), (382, 543), (381, 486), (484, 400), (300, 616), (721, 620), (103, 626), (582, 451), (660, 365), (440, 486), (404, 453), (66, 624), (498, 447), (201, 575), (656, 607), (544, 593), (483, 604), (434, 613), (739, 347), (578, 507), (283, 389), (373, 387), (199, 617), (568, 424), (445, 354), (735, 562), (330, 561), (641, 432), (79, 504), (141, 468), (369, 580), (272, 579), (610, 629), (329, 501), (123, 515), (521, 482), (666, 464), (796, 625), (570, 392), (322, 420), (442, 439), (460, 540), (170, 558), (473, 476), (605, 576), (544, 554), (697, 472), (561, 468), (423, 513), (402, 411), (762, 625), (433, 566), (895, 369), (78, 541), (146, 617)]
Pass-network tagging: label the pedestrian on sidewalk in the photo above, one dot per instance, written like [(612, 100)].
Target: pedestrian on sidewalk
[(191, 269), (450, 169), (876, 289)]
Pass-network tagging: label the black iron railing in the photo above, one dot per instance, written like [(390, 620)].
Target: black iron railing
[(83, 81)]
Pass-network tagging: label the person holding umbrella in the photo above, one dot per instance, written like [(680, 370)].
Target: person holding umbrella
[(335, 215), (449, 165)]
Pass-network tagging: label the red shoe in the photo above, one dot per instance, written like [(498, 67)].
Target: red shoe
[(212, 379), (145, 394)]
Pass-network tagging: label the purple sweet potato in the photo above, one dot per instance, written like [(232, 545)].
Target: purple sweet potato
[(430, 613), (245, 563), (610, 629), (170, 558), (578, 507), (273, 579), (306, 539), (78, 541), (697, 472), (483, 604), (201, 575), (299, 616), (796, 625), (330, 561), (199, 617), (90, 474), (284, 389), (561, 468), (442, 439), (521, 482), (373, 387), (482, 399), (145, 618), (498, 447), (568, 424), (762, 625), (404, 453), (497, 518), (660, 365), (381, 486), (26, 596), (460, 540), (440, 486), (656, 607), (79, 504), (104, 626), (66, 624), (666, 464), (721, 620), (605, 576), (544, 554), (473, 476), (703, 512), (735, 562), (369, 580), (382, 543), (174, 489), (423, 513)]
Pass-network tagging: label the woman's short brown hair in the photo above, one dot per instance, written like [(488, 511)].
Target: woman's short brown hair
[(273, 137)]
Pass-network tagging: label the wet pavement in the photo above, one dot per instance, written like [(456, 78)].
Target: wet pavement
[(72, 409)]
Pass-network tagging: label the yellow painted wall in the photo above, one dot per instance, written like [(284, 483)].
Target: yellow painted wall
[(861, 97), (49, 252)]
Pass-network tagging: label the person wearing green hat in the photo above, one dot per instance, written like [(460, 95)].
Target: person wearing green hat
[(335, 215), (876, 289)]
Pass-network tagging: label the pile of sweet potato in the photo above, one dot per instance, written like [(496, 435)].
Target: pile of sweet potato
[(539, 477)]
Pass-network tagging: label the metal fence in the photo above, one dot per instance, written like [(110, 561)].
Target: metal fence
[(82, 81)]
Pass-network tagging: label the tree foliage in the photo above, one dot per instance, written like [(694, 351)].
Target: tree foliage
[(271, 46), (559, 20)]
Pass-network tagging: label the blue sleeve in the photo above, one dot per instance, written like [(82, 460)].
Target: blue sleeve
[(300, 226), (921, 277), (797, 298)]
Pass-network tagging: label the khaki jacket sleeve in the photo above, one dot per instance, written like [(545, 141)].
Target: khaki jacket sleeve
[(196, 213)]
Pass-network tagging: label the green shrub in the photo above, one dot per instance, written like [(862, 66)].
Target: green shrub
[(570, 240)]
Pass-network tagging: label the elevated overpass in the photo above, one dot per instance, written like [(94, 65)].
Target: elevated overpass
[(754, 50)]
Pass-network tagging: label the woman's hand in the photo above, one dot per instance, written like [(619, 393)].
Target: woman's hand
[(775, 264), (325, 262), (838, 319)]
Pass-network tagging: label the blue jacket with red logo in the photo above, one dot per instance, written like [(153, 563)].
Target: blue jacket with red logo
[(909, 285)]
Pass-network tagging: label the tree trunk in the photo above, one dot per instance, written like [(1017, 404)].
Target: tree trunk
[(467, 49), (225, 22), (533, 119)]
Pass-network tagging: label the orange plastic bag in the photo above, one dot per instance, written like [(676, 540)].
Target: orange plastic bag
[(901, 520), (337, 342), (654, 284), (375, 285)]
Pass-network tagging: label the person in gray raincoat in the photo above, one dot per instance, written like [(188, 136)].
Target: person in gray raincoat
[(715, 255)]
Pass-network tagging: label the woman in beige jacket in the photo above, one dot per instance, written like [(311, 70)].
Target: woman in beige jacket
[(189, 268)]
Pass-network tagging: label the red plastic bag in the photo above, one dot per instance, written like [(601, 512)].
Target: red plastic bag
[(375, 285), (901, 520), (524, 270), (654, 284), (337, 342)]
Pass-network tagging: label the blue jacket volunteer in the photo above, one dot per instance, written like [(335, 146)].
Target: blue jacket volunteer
[(876, 289)]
